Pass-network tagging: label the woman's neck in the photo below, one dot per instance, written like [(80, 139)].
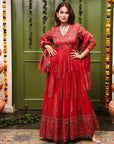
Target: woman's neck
[(64, 24)]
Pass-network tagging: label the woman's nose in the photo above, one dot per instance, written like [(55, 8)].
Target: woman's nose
[(64, 15)]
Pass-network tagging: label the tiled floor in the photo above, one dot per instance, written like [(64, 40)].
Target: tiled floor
[(31, 136)]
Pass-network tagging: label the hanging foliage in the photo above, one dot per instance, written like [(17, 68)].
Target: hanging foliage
[(5, 51), (80, 21), (80, 11), (108, 37), (44, 15), (64, 0), (30, 24)]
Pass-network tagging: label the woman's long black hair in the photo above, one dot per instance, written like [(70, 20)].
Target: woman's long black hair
[(71, 13)]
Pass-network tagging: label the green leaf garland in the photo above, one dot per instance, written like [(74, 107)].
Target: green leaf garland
[(80, 11), (30, 24), (44, 12)]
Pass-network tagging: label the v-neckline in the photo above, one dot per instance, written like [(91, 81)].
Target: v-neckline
[(66, 31)]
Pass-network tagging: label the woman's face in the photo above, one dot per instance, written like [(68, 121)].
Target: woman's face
[(63, 15)]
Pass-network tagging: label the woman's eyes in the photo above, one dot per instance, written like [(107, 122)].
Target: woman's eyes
[(61, 12)]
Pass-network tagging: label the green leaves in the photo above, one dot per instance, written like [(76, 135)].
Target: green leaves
[(28, 118), (80, 11), (44, 12)]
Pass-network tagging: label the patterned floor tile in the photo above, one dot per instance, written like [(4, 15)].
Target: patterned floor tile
[(31, 136)]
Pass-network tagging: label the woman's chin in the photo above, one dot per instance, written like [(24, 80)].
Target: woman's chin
[(64, 21)]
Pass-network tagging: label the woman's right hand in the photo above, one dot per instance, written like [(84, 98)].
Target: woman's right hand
[(50, 50)]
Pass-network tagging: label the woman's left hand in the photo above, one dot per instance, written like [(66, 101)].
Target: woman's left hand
[(75, 54)]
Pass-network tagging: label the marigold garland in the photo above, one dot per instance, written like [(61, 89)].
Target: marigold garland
[(113, 1), (108, 37), (5, 51)]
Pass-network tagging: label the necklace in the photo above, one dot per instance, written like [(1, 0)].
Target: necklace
[(65, 28)]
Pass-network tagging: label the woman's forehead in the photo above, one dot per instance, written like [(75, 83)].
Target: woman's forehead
[(63, 8)]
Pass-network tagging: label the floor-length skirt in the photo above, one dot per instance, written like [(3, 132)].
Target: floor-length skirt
[(67, 111)]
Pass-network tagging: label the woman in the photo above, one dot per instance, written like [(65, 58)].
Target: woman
[(67, 112)]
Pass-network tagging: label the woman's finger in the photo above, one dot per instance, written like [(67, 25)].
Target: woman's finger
[(50, 54), (55, 51), (73, 56), (72, 53), (73, 50)]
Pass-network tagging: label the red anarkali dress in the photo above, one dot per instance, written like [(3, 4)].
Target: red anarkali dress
[(67, 111)]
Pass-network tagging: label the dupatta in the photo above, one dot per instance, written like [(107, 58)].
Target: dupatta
[(45, 63), (86, 61)]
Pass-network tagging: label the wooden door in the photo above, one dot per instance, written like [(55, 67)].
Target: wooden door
[(28, 82)]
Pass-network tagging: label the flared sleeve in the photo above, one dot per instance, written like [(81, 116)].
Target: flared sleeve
[(83, 33), (46, 38)]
